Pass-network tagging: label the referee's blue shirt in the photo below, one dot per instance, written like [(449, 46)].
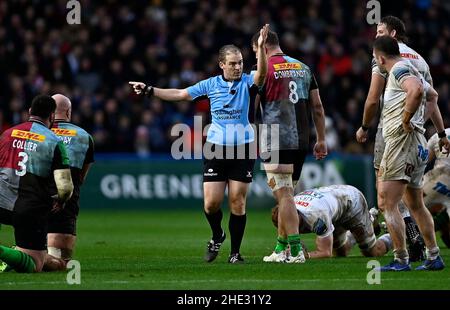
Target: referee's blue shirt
[(230, 105)]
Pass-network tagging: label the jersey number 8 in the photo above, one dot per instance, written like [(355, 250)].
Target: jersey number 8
[(293, 96)]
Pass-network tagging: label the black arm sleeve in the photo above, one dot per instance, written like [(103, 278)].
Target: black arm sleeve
[(313, 85), (90, 152)]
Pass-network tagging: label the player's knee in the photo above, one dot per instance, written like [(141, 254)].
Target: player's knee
[(237, 205), (280, 183), (212, 206)]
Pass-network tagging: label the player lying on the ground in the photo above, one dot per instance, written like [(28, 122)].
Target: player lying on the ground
[(331, 212)]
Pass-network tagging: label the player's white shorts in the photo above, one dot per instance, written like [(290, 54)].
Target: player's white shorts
[(378, 149), (436, 187), (359, 224), (404, 158)]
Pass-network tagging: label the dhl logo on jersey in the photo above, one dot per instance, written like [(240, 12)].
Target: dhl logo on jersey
[(65, 132), (16, 133), (287, 66)]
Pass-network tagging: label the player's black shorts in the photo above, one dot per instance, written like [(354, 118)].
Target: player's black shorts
[(30, 227), (5, 216), (65, 221), (225, 168), (295, 157)]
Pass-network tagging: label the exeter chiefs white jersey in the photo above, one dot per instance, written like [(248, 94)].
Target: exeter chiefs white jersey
[(324, 208), (442, 160), (415, 59), (395, 99)]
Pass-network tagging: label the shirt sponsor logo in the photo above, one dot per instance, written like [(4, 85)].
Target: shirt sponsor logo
[(16, 133), (287, 66), (408, 55), (65, 132), (302, 203)]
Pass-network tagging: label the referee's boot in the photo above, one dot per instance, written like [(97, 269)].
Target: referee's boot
[(213, 247)]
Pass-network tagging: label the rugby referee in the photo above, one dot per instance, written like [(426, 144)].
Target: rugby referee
[(230, 95)]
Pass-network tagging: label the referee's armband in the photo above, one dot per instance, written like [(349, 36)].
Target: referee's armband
[(148, 91)]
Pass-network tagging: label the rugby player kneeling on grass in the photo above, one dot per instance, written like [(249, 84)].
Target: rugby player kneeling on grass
[(31, 157), (340, 217)]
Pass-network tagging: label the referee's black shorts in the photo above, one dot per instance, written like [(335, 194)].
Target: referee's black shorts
[(295, 157), (224, 168)]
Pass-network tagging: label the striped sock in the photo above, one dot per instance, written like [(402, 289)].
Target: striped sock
[(19, 261)]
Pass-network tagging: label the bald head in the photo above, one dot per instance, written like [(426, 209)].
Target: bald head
[(63, 107)]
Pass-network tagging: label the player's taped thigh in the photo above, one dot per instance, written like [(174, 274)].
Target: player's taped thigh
[(277, 181)]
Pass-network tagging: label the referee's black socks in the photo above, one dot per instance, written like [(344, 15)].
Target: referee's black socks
[(236, 225), (215, 220)]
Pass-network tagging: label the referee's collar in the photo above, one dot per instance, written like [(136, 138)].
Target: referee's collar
[(226, 80)]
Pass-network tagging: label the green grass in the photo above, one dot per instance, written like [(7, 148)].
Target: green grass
[(163, 250)]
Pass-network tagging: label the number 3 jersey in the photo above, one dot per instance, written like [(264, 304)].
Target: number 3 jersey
[(285, 104), (29, 152)]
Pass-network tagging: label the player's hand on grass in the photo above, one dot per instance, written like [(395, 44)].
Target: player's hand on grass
[(407, 127), (320, 150), (444, 145), (362, 135)]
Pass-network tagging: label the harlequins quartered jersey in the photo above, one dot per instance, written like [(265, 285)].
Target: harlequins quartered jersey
[(78, 142), (285, 104), (29, 152)]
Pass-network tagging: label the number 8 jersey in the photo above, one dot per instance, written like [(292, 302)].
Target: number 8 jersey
[(285, 103), (29, 152)]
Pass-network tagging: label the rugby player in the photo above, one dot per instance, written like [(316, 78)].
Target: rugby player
[(395, 28), (339, 216), (32, 157), (436, 188), (80, 148), (405, 155), (289, 95)]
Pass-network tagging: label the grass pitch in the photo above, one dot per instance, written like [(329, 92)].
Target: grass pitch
[(163, 250)]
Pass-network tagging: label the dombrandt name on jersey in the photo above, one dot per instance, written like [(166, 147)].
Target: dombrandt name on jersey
[(289, 74), (24, 145)]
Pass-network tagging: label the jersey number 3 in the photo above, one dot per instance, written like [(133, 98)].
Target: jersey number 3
[(293, 96), (23, 158)]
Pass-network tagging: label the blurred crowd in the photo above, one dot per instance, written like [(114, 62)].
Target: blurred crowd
[(173, 44)]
